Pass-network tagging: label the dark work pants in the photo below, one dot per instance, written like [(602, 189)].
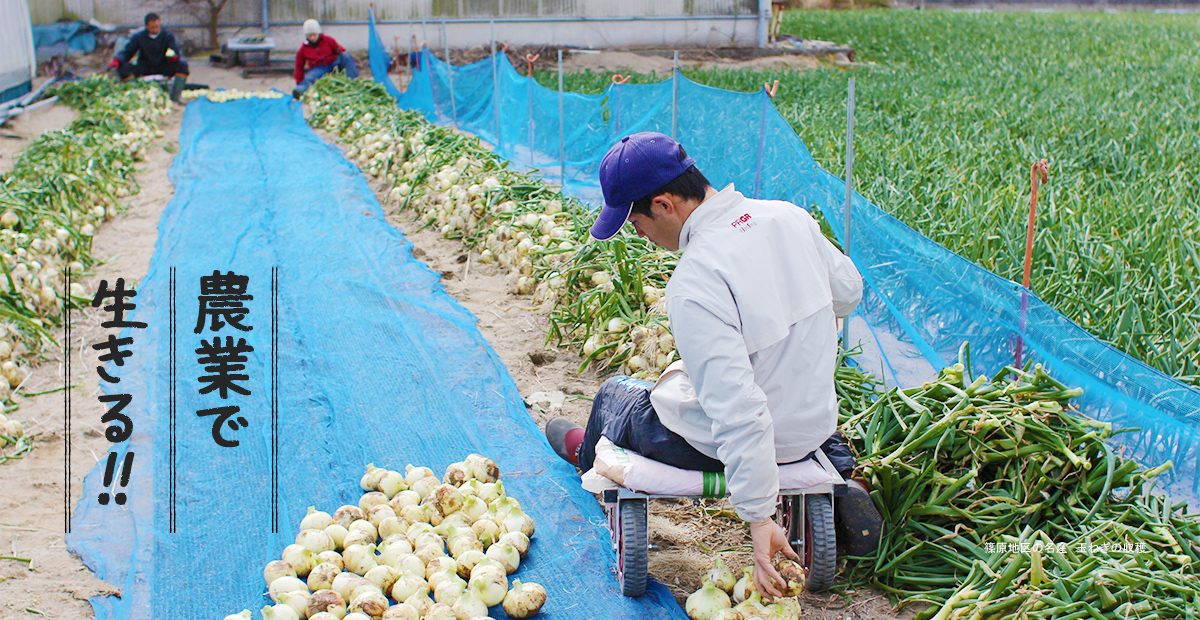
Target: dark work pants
[(125, 70), (622, 412)]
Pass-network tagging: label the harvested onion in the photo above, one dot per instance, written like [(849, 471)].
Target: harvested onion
[(279, 612), (793, 577), (524, 599), (326, 601), (315, 519), (721, 576), (489, 585), (744, 586), (705, 602), (276, 569), (440, 611), (469, 606)]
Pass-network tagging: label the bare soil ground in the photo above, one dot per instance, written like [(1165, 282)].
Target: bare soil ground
[(47, 581)]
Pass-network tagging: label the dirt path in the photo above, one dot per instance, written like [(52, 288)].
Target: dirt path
[(27, 126), (54, 583)]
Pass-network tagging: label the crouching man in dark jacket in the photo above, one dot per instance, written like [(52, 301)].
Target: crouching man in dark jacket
[(157, 52)]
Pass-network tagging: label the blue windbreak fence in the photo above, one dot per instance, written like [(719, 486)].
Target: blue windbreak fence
[(370, 362), (921, 300)]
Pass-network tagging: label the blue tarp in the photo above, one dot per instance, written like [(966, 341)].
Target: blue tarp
[(64, 38), (375, 363), (14, 92), (921, 300)]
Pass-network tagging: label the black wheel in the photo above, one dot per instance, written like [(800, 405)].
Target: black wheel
[(820, 543), (634, 547)]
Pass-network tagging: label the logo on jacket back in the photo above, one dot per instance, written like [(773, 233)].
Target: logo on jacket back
[(743, 223)]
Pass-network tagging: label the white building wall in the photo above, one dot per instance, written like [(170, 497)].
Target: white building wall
[(17, 62), (582, 23)]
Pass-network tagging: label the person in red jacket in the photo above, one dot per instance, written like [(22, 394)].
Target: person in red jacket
[(319, 55)]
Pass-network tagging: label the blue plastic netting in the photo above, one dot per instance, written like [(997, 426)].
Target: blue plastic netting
[(375, 363), (921, 301)]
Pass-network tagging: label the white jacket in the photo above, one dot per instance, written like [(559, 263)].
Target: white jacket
[(752, 303)]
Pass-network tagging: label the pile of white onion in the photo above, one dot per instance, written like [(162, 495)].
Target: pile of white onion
[(231, 94), (715, 599), (411, 537)]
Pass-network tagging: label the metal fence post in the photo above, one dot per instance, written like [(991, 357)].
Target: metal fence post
[(762, 141), (562, 152), (427, 55), (764, 22), (849, 191), (449, 75), (495, 87), (675, 97), (532, 161)]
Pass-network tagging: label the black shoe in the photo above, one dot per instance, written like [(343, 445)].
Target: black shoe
[(176, 89), (859, 524), (296, 95), (556, 434)]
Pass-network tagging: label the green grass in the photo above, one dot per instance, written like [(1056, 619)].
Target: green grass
[(954, 107)]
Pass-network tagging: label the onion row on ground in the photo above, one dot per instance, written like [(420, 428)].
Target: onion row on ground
[(60, 188), (605, 295)]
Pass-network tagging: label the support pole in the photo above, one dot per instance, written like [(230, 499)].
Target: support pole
[(562, 145), (762, 141), (849, 191), (529, 107), (675, 97), (495, 87), (617, 104), (1038, 169), (449, 75), (764, 21), (426, 55), (445, 43), (266, 17)]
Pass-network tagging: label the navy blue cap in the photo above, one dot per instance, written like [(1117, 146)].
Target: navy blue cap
[(633, 168)]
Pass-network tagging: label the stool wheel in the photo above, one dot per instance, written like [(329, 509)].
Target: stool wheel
[(820, 544), (633, 550)]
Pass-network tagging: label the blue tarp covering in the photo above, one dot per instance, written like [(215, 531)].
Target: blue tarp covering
[(921, 301), (61, 39), (20, 90), (374, 363)]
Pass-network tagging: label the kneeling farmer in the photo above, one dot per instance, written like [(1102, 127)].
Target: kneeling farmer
[(319, 55), (753, 304)]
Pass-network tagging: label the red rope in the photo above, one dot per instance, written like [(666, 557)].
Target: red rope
[(1042, 167), (1038, 167)]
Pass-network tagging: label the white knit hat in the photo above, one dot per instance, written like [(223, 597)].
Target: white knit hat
[(311, 26)]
